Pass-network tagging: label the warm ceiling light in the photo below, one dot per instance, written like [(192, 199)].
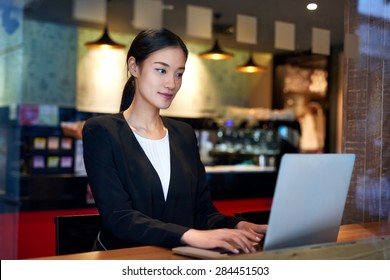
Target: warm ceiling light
[(312, 6), (216, 53), (105, 42), (250, 67)]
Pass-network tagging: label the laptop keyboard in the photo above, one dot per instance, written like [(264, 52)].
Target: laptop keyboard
[(257, 246)]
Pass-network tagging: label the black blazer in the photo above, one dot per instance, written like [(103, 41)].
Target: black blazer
[(128, 192)]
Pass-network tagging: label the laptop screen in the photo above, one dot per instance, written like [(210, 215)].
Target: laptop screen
[(309, 199)]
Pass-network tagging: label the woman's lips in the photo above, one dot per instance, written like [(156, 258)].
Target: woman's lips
[(166, 95)]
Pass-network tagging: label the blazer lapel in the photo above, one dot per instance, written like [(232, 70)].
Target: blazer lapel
[(177, 179), (140, 168)]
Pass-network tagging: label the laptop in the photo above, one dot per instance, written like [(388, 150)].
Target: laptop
[(307, 206)]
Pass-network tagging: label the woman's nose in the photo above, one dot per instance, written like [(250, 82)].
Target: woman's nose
[(170, 82)]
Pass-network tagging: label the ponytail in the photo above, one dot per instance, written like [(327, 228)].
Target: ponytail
[(128, 94)]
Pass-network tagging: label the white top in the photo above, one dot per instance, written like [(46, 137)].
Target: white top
[(159, 155)]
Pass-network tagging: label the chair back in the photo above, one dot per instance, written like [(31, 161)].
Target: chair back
[(76, 233), (257, 217)]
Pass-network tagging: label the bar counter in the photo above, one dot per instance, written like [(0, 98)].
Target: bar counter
[(354, 242)]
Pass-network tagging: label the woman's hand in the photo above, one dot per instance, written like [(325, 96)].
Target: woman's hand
[(229, 239), (259, 230)]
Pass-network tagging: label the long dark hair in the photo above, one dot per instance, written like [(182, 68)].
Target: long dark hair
[(144, 44)]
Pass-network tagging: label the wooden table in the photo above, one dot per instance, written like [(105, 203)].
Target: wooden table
[(347, 233), (363, 231)]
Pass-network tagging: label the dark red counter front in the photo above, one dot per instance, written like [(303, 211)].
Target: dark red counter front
[(42, 198)]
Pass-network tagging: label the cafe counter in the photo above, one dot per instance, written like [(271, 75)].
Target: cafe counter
[(67, 191)]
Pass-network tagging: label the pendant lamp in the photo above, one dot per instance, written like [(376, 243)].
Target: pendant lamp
[(216, 53), (105, 42), (250, 67)]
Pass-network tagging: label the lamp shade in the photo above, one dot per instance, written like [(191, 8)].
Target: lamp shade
[(216, 53), (104, 42), (250, 67)]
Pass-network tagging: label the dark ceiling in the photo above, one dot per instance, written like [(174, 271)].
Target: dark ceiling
[(329, 15)]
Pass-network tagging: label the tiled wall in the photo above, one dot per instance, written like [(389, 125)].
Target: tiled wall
[(50, 59), (38, 64), (366, 120)]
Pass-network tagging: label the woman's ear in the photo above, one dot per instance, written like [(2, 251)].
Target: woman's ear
[(132, 66)]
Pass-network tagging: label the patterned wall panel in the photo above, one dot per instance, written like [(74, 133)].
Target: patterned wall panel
[(50, 59)]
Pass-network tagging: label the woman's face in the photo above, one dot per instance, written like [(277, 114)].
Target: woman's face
[(159, 77)]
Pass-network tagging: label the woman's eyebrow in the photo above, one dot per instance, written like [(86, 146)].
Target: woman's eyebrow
[(162, 63), (167, 65)]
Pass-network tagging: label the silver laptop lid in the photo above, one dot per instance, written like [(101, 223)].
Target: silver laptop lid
[(309, 199)]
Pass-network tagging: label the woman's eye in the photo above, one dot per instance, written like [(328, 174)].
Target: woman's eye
[(179, 75), (162, 71)]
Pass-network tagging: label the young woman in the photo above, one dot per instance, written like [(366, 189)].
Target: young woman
[(145, 171)]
